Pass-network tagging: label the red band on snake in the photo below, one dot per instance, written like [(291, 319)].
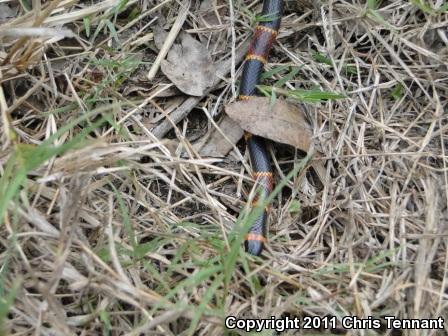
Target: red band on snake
[(257, 56)]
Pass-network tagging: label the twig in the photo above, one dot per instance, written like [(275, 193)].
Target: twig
[(170, 39), (183, 110)]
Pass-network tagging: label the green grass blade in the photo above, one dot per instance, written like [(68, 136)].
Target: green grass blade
[(126, 220), (211, 290), (310, 96), (86, 22), (27, 158)]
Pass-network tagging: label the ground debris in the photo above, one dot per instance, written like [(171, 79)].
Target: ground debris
[(221, 139), (113, 222), (279, 121), (189, 66)]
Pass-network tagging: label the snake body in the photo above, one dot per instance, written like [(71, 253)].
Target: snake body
[(262, 41)]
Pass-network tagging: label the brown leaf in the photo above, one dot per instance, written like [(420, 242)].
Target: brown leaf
[(160, 35), (282, 122), (213, 20), (215, 145), (209, 10), (189, 66)]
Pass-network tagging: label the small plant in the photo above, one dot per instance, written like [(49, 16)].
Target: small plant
[(372, 12), (397, 92), (28, 157), (318, 57), (425, 7), (309, 96)]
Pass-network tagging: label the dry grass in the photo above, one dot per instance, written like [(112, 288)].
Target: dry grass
[(105, 229)]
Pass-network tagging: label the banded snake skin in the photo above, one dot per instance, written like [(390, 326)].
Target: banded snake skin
[(265, 34)]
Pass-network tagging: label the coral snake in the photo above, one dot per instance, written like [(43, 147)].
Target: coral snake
[(264, 36)]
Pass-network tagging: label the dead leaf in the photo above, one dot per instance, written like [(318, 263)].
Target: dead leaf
[(209, 11), (189, 66), (215, 145), (213, 21), (6, 12), (282, 122), (160, 35)]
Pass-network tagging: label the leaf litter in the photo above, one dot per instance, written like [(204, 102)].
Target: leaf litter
[(189, 66), (279, 121), (221, 139), (146, 253)]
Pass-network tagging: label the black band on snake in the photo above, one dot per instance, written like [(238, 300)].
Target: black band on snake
[(264, 36)]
